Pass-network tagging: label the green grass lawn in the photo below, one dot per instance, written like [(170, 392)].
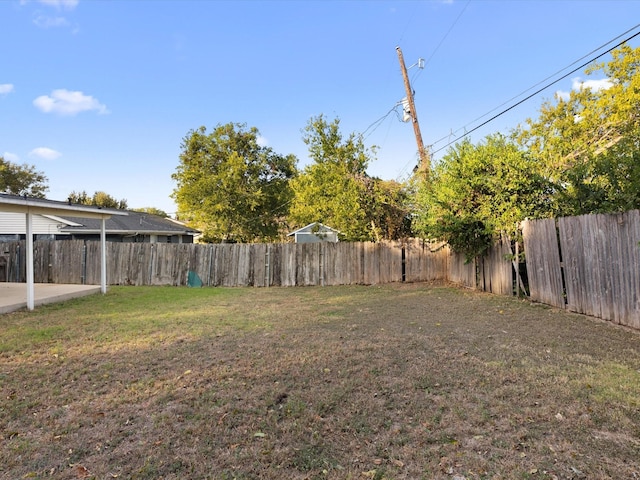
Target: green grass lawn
[(399, 382)]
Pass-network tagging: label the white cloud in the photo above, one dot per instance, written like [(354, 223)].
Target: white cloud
[(43, 21), (5, 88), (595, 85), (11, 157), (59, 4), (45, 153), (65, 102), (578, 84), (262, 141)]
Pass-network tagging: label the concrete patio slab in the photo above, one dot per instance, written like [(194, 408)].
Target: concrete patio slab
[(13, 296)]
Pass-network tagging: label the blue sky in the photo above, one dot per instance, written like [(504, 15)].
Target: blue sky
[(98, 95)]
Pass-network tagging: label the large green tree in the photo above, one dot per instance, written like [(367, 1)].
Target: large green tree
[(22, 179), (230, 187), (588, 144), (477, 192), (335, 189)]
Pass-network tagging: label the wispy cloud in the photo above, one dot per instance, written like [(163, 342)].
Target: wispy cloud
[(61, 4), (45, 153), (262, 141), (69, 103), (6, 88), (42, 19), (11, 157)]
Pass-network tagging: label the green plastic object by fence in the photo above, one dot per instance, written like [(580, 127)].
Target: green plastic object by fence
[(193, 280)]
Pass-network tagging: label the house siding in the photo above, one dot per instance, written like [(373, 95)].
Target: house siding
[(12, 224)]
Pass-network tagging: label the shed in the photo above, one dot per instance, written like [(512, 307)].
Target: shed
[(315, 232)]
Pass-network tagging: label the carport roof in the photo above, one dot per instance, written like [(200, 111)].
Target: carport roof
[(20, 204)]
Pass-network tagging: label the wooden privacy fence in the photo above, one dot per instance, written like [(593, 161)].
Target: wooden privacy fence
[(260, 265), (588, 264)]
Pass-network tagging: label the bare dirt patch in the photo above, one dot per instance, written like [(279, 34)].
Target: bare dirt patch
[(398, 382)]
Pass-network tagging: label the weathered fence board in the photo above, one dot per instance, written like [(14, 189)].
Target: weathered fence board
[(426, 261), (542, 257), (14, 256), (461, 271), (602, 265), (497, 269)]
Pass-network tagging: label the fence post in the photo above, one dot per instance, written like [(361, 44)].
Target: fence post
[(151, 262), (320, 261), (83, 265), (267, 266), (211, 252)]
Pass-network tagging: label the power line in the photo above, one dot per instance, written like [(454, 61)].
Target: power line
[(377, 123), (447, 34), (534, 86), (542, 88), (444, 37)]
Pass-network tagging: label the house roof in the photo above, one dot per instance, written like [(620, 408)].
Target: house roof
[(134, 223), (319, 228)]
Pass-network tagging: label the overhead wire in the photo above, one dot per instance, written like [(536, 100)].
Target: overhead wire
[(447, 34), (435, 50), (528, 97), (534, 86), (377, 123)]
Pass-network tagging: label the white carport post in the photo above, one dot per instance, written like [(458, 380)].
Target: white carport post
[(30, 286), (103, 256)]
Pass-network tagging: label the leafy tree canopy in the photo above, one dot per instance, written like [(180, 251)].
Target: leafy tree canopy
[(230, 187), (479, 191), (21, 179), (336, 190), (588, 144), (98, 199), (388, 207), (581, 155)]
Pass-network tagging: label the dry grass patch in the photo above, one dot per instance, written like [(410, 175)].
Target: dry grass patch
[(397, 382)]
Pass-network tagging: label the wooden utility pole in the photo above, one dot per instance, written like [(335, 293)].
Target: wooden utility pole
[(425, 163)]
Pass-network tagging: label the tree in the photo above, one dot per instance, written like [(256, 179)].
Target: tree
[(388, 209), (480, 191), (336, 190), (152, 211), (21, 179), (588, 144), (332, 189), (99, 199), (231, 188)]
